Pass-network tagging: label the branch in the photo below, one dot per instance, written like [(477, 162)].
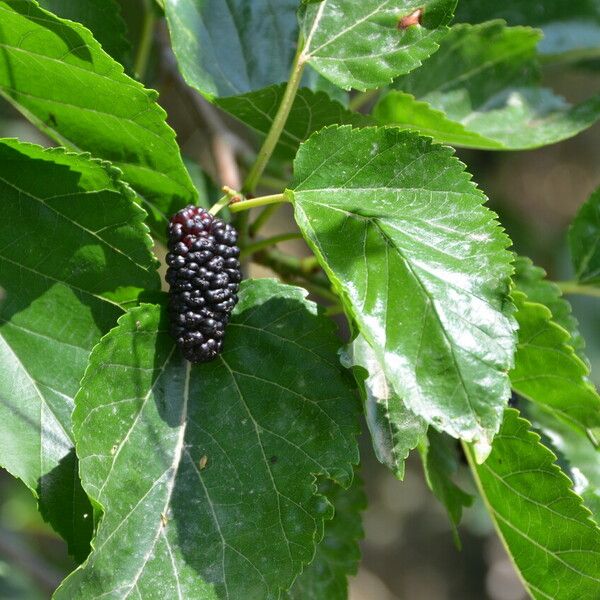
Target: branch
[(281, 117), (572, 287), (291, 268), (225, 146)]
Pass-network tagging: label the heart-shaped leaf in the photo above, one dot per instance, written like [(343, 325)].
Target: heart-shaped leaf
[(206, 474), (421, 266)]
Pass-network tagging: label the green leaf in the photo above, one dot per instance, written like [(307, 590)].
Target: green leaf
[(583, 460), (571, 29), (584, 241), (363, 45), (482, 90), (548, 533), (235, 47), (547, 370), (72, 250), (206, 473), (59, 77), (394, 429), (421, 266), (102, 18), (338, 554), (310, 112), (440, 463), (530, 280)]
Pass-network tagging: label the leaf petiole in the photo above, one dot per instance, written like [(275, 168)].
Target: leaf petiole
[(242, 205)]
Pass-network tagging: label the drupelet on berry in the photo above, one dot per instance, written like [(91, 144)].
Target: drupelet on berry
[(204, 277)]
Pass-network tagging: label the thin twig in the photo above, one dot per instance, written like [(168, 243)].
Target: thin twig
[(255, 247), (225, 146), (290, 268), (145, 44), (580, 289)]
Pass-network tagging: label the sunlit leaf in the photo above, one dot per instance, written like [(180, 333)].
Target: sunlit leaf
[(73, 250), (421, 266), (394, 429), (549, 534), (583, 460), (206, 474), (366, 44), (547, 370), (59, 77), (482, 90)]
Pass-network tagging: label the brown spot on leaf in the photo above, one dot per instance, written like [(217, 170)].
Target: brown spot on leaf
[(274, 459), (203, 462), (409, 20)]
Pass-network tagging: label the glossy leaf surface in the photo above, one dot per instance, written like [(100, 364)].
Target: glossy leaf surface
[(232, 48), (583, 466), (421, 266), (394, 429), (544, 526), (482, 90), (366, 44)]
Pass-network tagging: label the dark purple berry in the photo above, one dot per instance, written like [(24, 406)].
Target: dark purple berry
[(204, 276)]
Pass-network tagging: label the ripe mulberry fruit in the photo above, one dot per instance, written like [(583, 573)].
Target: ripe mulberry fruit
[(204, 277)]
